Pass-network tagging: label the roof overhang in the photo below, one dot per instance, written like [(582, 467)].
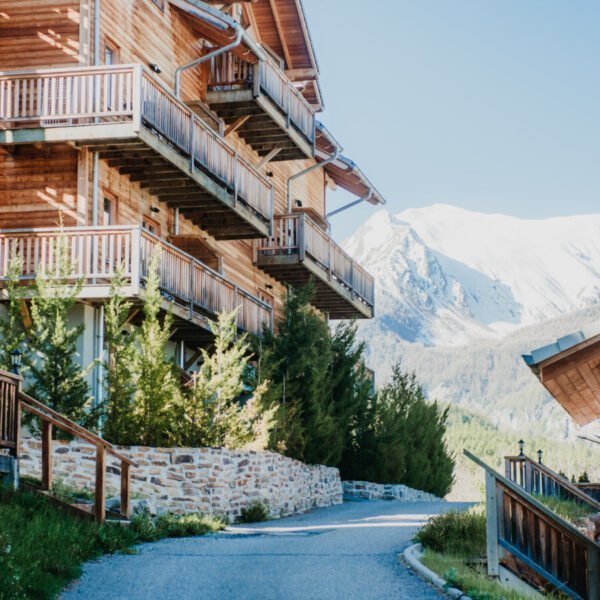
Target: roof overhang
[(215, 26), (343, 171), (570, 370), (282, 26)]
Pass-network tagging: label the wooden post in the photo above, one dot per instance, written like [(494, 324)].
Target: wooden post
[(137, 97), (301, 237), (135, 257), (46, 455), (593, 570), (493, 555), (100, 500), (125, 481), (527, 476)]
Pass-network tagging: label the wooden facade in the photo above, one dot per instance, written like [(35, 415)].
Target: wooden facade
[(104, 142)]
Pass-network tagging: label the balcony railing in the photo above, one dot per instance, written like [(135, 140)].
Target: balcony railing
[(128, 94), (298, 234), (229, 72), (97, 254)]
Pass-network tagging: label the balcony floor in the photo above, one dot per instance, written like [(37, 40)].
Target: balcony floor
[(266, 129), (147, 158), (331, 296)]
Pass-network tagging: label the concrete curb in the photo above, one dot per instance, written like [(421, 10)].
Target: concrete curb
[(412, 555)]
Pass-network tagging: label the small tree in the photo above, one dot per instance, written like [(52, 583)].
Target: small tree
[(58, 379), (157, 390), (214, 412), (117, 415), (12, 329)]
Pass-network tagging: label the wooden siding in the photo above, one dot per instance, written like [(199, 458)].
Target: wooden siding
[(37, 185), (38, 33)]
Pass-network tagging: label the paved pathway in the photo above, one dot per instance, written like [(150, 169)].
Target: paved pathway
[(348, 551)]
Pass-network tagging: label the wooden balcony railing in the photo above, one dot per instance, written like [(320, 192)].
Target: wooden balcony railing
[(229, 72), (97, 254), (299, 234), (526, 536), (537, 478), (89, 96), (10, 413)]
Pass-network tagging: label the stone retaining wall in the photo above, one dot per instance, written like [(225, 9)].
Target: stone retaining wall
[(206, 480), (380, 491)]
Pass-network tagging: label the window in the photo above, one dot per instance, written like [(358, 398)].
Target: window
[(111, 53), (151, 225), (109, 212)]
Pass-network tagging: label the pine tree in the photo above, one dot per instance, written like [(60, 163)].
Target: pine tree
[(12, 329), (157, 392), (298, 362), (58, 379), (213, 412), (118, 425)]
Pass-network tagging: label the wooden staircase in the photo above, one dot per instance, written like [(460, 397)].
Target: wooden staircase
[(12, 403), (525, 537)]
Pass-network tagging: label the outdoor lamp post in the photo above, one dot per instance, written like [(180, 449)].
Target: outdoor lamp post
[(540, 456), (15, 360), (521, 446)]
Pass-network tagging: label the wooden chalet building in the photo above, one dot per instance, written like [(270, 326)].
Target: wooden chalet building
[(180, 124)]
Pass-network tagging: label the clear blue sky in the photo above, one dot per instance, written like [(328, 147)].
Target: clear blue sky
[(492, 105)]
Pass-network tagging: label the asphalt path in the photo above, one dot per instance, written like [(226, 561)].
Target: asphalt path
[(349, 552)]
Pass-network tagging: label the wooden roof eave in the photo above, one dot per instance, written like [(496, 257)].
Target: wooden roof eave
[(214, 26), (569, 369)]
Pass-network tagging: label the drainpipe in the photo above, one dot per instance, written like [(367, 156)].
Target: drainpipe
[(351, 204), (95, 155), (236, 42), (310, 169)]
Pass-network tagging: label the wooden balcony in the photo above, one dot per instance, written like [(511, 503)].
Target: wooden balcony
[(140, 128), (300, 250), (269, 113), (194, 292)]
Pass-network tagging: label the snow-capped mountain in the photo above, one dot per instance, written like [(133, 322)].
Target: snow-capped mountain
[(447, 276)]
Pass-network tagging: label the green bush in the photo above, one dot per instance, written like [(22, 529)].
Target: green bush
[(571, 511), (255, 512), (456, 533)]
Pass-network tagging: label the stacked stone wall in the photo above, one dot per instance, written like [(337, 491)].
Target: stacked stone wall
[(207, 480), (380, 491)]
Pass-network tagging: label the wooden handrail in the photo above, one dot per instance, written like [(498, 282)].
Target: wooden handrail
[(523, 528), (45, 412), (537, 478)]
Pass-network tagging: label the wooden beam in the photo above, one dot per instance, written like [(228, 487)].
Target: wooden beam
[(236, 125), (46, 456), (100, 491), (286, 52), (261, 163)]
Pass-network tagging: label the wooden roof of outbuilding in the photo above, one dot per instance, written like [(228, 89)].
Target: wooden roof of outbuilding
[(570, 370)]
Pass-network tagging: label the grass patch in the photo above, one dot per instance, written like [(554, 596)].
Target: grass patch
[(456, 532), (569, 510), (42, 547), (472, 581), (255, 512)]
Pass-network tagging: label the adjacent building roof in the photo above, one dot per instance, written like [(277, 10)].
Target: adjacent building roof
[(570, 370), (345, 172)]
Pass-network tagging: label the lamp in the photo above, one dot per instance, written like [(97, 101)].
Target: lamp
[(521, 446), (299, 203), (15, 360), (539, 453)]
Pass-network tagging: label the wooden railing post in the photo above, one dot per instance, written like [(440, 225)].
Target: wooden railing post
[(125, 482), (136, 244), (491, 499), (100, 491), (301, 237), (46, 455), (137, 97)]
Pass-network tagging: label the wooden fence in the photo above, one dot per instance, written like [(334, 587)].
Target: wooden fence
[(299, 234), (129, 93), (522, 531), (536, 478), (95, 255), (10, 412)]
